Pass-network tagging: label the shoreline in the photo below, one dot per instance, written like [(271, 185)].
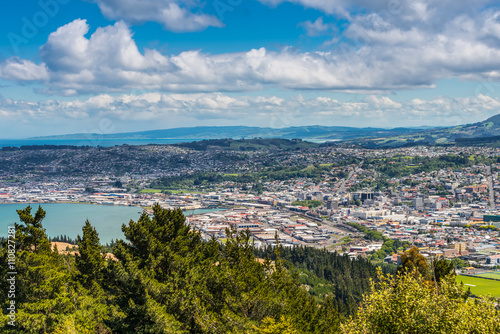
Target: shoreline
[(110, 205), (59, 202), (67, 218)]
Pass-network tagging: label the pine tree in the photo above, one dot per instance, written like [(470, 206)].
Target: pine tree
[(441, 268), (31, 235), (152, 281), (89, 260), (166, 280), (47, 299)]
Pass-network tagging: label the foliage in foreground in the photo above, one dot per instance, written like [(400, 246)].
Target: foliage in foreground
[(49, 298), (408, 303), (166, 279)]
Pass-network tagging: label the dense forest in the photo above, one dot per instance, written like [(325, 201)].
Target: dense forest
[(350, 279), (165, 279)]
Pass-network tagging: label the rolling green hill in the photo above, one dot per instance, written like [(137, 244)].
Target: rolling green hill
[(482, 133), (248, 144), (326, 133)]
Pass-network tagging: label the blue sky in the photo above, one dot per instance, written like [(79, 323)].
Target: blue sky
[(105, 66)]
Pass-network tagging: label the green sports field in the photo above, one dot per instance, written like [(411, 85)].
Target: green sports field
[(495, 275), (481, 286)]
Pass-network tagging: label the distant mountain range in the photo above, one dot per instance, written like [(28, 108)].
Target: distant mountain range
[(482, 133), (323, 133)]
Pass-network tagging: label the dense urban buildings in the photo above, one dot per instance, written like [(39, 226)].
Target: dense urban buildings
[(440, 199)]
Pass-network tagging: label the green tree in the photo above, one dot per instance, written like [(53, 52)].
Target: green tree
[(47, 299), (89, 260), (149, 281), (167, 280), (258, 188), (271, 326), (31, 235), (407, 303), (458, 263), (413, 261), (441, 268)]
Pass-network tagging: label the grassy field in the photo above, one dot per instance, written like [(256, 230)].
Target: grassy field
[(480, 286), (150, 191), (308, 168), (491, 275)]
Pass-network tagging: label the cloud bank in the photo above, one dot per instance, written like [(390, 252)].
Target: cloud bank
[(156, 106)]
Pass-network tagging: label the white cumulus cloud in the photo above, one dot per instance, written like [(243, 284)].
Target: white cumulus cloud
[(22, 70), (317, 27), (174, 15), (378, 52)]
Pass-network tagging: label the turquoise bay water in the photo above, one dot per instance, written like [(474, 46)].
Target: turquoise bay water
[(68, 219)]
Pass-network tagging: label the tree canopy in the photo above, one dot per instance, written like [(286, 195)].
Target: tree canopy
[(164, 278), (407, 303)]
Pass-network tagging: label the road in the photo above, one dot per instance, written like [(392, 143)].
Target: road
[(490, 188), (342, 186), (315, 219)]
